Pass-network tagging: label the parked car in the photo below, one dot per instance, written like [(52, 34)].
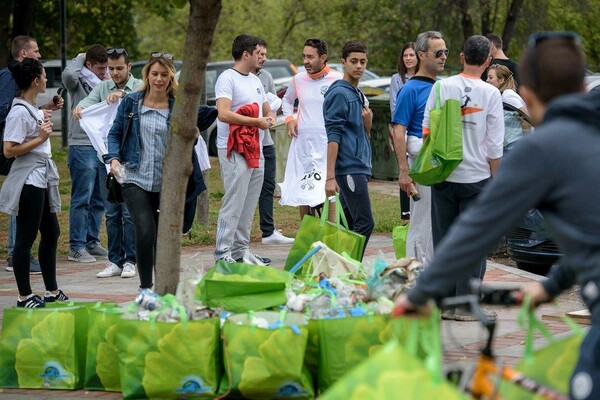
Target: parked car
[(531, 246), (375, 87)]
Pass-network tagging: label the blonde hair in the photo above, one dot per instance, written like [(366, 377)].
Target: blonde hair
[(168, 64), (503, 72)]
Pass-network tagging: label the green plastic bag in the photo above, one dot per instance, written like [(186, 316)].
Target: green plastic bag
[(553, 364), (442, 148), (396, 370), (43, 348), (102, 361), (399, 240), (345, 342), (393, 373), (336, 236), (162, 360), (266, 363), (242, 287)]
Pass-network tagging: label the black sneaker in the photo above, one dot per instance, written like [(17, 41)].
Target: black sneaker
[(34, 301), (51, 298)]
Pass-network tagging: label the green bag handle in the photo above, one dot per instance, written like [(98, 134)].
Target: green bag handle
[(437, 96), (426, 333), (528, 320), (339, 213)]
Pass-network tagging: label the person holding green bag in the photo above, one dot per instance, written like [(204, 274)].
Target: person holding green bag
[(348, 121), (407, 122), (556, 171), (482, 143)]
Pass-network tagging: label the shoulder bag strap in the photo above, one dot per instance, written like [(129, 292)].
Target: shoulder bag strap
[(38, 120), (127, 129)]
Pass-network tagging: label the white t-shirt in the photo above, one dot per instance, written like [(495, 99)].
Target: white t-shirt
[(483, 124), (241, 90), (21, 127), (310, 94), (510, 97)]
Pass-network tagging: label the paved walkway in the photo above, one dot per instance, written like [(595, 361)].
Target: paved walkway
[(461, 340)]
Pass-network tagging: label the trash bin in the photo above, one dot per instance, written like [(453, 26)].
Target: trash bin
[(282, 147), (385, 165)]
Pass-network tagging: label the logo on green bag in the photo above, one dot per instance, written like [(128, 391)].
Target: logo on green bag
[(291, 389), (52, 372), (193, 384)]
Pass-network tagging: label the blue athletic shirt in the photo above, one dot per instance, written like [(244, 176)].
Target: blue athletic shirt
[(410, 105)]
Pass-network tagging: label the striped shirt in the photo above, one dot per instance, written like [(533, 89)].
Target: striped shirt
[(153, 134)]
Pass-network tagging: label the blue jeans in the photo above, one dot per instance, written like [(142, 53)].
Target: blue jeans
[(87, 203), (121, 234), (12, 233)]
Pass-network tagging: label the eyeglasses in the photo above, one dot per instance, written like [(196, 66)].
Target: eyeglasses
[(540, 37), (166, 56), (438, 53), (118, 50)]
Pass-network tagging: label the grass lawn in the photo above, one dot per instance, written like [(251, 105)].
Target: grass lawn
[(385, 210)]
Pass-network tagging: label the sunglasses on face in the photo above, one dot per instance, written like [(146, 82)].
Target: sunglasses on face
[(166, 56), (438, 53), (536, 38), (118, 50)]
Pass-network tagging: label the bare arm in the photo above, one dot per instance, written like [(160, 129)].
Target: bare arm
[(494, 165), (13, 149), (231, 117), (399, 139), (331, 186)]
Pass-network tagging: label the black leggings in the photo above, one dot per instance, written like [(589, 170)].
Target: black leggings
[(143, 208), (34, 215)]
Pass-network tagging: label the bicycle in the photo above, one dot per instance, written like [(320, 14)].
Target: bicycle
[(483, 380), (479, 381)]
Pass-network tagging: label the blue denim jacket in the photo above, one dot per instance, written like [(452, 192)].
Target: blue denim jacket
[(130, 154)]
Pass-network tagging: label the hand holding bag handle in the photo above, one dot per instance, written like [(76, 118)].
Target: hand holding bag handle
[(115, 194)]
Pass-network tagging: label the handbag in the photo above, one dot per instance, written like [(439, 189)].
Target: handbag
[(115, 194), (442, 148), (335, 235)]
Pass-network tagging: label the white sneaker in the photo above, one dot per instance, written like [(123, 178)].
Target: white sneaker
[(111, 269), (251, 258), (277, 238), (128, 270)]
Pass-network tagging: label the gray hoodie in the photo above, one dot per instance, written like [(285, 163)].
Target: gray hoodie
[(73, 82), (555, 170)]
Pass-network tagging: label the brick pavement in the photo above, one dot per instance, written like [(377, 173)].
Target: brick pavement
[(461, 340)]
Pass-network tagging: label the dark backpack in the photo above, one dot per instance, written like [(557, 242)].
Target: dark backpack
[(6, 163)]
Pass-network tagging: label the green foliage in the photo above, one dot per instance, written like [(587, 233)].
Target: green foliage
[(108, 22)]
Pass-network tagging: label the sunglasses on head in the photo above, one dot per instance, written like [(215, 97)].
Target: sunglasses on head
[(166, 56), (535, 39), (438, 53), (118, 50)]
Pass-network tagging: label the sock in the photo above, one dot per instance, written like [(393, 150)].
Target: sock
[(19, 298)]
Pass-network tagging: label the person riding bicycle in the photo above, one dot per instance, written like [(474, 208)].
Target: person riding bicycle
[(555, 171)]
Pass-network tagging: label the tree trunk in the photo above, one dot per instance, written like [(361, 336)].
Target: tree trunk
[(5, 13), (177, 164), (466, 20), (511, 23), (485, 10), (23, 17)]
